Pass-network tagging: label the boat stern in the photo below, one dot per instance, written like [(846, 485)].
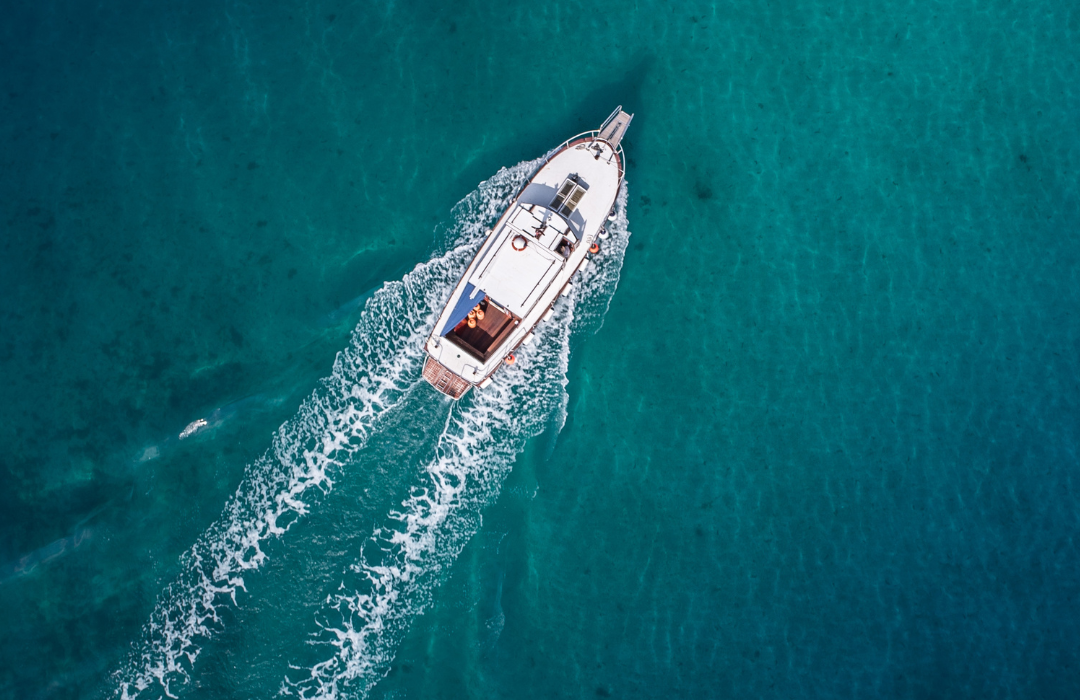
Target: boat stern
[(444, 379)]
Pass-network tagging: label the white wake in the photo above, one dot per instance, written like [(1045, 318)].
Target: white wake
[(369, 380), (400, 565)]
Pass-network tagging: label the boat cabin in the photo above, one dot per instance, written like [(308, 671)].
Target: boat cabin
[(532, 249)]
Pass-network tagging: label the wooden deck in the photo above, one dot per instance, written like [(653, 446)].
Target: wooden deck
[(444, 380), (489, 333)]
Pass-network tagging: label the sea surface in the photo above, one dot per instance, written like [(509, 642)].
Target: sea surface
[(809, 428)]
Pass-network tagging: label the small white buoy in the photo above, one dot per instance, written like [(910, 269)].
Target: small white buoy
[(603, 233), (528, 339)]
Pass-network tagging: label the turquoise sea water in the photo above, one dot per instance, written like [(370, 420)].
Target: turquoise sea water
[(809, 430)]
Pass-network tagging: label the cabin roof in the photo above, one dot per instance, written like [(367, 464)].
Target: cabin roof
[(513, 278), (569, 193)]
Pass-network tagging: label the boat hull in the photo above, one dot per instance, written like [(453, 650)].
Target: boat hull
[(527, 261)]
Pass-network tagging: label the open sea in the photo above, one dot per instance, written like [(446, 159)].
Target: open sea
[(809, 428)]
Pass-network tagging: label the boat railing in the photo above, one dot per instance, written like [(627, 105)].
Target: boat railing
[(610, 132)]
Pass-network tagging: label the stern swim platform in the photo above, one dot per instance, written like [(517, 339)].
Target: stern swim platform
[(444, 379)]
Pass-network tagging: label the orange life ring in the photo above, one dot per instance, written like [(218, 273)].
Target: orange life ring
[(510, 359), (472, 323), (594, 248), (479, 314), (519, 239)]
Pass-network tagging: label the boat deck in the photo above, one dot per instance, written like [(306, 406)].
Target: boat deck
[(488, 334)]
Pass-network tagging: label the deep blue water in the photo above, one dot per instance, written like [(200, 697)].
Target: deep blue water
[(810, 429)]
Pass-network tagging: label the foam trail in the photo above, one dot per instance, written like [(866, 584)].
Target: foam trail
[(400, 565), (369, 379)]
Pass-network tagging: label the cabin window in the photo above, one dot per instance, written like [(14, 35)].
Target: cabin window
[(564, 192), (568, 197), (571, 204)]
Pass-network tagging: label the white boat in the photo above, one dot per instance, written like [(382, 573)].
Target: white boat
[(527, 260)]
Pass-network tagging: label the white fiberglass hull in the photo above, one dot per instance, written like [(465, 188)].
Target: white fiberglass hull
[(527, 260)]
